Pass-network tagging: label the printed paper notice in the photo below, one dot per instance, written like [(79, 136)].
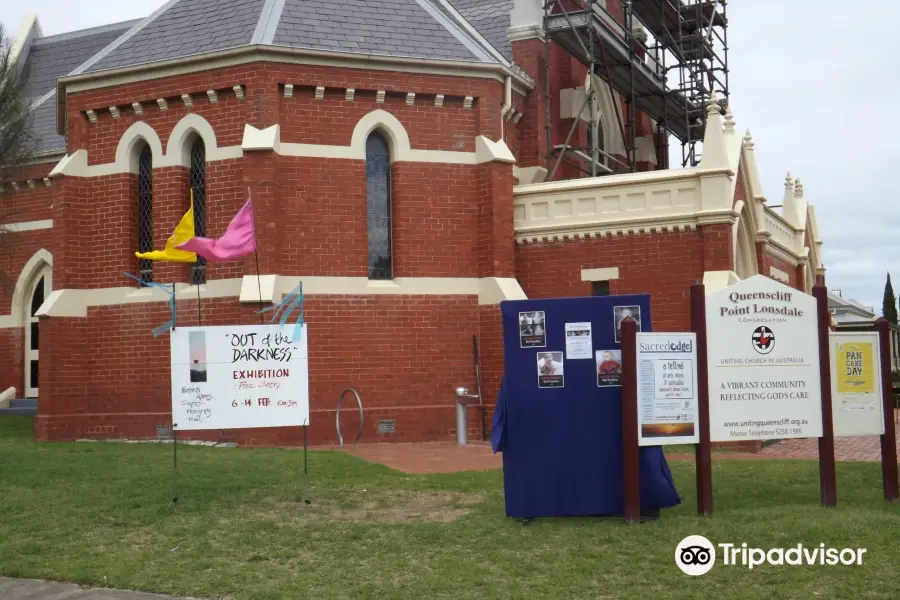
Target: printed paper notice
[(667, 391), (857, 403), (578, 341)]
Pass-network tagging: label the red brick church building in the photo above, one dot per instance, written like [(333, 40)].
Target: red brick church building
[(399, 156)]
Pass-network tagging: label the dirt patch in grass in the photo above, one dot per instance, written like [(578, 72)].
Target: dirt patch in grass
[(381, 507)]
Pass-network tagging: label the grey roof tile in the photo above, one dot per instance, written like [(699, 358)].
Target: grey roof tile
[(52, 57), (375, 28), (44, 128), (188, 27), (491, 19)]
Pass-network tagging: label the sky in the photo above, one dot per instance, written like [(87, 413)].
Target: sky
[(805, 76)]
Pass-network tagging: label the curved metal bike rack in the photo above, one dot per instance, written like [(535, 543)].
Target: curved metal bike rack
[(337, 417)]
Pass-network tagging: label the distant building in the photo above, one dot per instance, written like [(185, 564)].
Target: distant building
[(846, 312), (413, 163), (850, 315)]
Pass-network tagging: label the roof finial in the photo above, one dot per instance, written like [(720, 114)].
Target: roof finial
[(788, 181), (729, 119), (748, 140), (798, 187), (712, 106)]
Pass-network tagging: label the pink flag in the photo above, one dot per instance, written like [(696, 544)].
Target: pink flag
[(238, 241)]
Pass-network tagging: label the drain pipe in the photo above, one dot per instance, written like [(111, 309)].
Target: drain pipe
[(507, 106)]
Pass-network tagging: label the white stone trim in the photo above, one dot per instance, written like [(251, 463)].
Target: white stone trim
[(261, 139), (714, 281), (379, 119), (529, 175), (623, 229), (494, 290), (177, 152), (487, 150), (75, 302), (42, 259), (604, 274), (27, 226)]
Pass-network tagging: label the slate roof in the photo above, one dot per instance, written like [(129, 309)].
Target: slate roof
[(385, 27), (182, 28), (462, 30), (408, 28), (52, 57), (491, 19)]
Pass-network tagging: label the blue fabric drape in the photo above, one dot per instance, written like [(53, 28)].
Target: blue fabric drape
[(562, 447)]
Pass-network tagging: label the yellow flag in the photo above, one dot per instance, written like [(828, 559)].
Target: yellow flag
[(183, 232)]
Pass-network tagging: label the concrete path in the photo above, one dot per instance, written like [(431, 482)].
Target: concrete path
[(30, 589)]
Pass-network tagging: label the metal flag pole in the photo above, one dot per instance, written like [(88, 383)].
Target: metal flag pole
[(305, 465), (480, 391), (174, 466)]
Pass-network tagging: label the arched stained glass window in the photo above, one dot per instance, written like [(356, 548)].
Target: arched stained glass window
[(378, 207), (198, 186), (145, 212)]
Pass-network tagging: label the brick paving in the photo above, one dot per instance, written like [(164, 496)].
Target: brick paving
[(31, 589), (446, 457)]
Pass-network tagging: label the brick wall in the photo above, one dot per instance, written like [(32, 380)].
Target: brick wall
[(16, 249), (664, 265), (109, 377), (404, 355)]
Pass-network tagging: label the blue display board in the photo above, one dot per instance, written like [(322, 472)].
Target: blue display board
[(559, 418)]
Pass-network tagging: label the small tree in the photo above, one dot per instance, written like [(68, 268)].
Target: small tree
[(17, 142), (889, 304)]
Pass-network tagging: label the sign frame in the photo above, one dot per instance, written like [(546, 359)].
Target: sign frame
[(773, 330), (682, 347), (263, 378), (856, 421)]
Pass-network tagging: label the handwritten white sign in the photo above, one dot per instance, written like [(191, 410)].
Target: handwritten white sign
[(239, 377)]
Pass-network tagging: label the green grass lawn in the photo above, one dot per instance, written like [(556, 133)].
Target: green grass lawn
[(101, 514)]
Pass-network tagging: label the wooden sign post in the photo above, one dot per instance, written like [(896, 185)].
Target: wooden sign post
[(827, 476), (630, 450), (889, 437), (703, 450)]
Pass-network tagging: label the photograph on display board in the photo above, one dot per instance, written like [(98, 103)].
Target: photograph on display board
[(550, 369), (197, 349), (609, 368), (532, 329), (619, 314)]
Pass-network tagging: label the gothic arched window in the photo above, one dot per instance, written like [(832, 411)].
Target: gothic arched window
[(378, 207), (145, 212), (198, 187)]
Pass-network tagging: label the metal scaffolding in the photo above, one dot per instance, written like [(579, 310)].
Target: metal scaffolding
[(661, 57)]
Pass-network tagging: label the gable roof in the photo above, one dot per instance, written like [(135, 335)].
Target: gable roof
[(51, 57), (54, 56)]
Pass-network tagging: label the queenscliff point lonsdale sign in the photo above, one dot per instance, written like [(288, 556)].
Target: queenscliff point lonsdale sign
[(762, 346)]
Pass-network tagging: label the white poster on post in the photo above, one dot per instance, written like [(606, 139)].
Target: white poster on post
[(667, 389), (578, 341), (239, 377), (856, 401), (763, 353)]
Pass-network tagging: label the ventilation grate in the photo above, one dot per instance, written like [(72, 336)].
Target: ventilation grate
[(387, 426), (163, 432)]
